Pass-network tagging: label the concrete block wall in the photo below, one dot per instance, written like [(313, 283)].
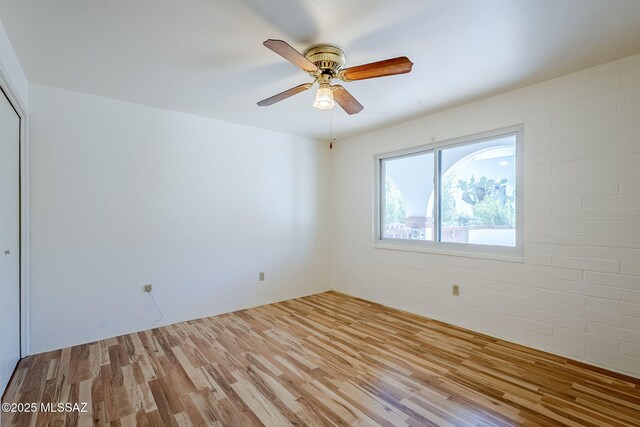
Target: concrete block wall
[(577, 293)]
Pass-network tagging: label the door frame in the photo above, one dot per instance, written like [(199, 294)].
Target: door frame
[(23, 191)]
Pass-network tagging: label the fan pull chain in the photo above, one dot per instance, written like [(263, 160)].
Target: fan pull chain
[(333, 127)]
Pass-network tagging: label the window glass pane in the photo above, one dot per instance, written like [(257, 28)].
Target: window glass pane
[(408, 197), (478, 182)]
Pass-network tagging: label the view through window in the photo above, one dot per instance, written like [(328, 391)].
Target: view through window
[(408, 185), (463, 192)]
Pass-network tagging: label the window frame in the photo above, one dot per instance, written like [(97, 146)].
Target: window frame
[(509, 253)]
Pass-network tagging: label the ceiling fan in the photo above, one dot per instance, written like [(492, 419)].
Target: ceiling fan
[(325, 62)]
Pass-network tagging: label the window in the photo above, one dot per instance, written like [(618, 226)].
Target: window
[(459, 195), (408, 183)]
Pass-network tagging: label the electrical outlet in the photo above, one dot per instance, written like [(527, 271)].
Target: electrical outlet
[(148, 288), (455, 290), (261, 276)]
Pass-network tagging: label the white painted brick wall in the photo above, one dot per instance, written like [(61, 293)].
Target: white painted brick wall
[(578, 291)]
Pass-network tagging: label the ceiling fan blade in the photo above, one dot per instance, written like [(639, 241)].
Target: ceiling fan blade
[(284, 95), (285, 50), (388, 67), (346, 100)]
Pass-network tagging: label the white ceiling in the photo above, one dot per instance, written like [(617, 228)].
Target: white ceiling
[(206, 57)]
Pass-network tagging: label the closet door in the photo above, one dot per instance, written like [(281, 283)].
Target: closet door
[(9, 240)]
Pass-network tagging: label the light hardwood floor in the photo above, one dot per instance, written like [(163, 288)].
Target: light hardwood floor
[(327, 359)]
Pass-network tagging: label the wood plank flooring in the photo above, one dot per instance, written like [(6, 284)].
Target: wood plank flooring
[(326, 359)]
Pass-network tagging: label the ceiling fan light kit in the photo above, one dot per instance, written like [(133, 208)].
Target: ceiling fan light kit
[(325, 62), (324, 97)]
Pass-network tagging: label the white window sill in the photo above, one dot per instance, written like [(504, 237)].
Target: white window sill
[(400, 246)]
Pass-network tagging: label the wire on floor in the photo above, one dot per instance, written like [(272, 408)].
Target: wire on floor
[(155, 322)]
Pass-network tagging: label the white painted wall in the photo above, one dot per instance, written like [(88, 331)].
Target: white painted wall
[(578, 291), (11, 68), (123, 195)]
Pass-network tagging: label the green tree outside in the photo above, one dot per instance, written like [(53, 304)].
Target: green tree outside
[(395, 211)]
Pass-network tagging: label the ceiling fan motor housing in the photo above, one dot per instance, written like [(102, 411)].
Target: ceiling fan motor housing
[(329, 59)]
